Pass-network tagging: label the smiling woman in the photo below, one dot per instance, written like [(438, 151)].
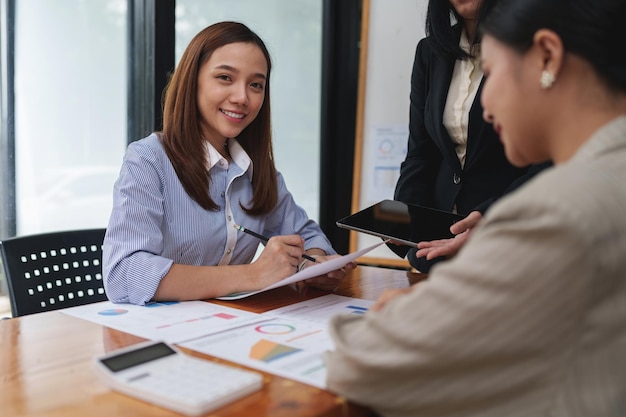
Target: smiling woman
[(231, 91), (293, 32), (181, 190)]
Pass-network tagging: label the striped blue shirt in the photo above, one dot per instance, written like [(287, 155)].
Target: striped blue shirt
[(154, 222)]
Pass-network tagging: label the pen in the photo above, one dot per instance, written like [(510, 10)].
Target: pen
[(265, 239)]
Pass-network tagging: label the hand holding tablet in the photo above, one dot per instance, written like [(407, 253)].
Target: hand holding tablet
[(402, 223)]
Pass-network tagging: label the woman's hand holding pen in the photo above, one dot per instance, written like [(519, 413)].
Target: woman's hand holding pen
[(279, 259), (283, 254)]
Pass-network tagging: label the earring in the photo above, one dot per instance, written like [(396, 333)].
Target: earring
[(546, 80)]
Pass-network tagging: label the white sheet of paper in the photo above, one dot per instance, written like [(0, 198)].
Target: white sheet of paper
[(172, 322), (291, 342), (319, 310), (288, 348), (316, 269)]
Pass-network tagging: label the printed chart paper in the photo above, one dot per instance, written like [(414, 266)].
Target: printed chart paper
[(291, 344), (172, 322), (319, 310), (289, 348)]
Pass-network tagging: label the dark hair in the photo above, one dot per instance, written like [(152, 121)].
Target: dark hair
[(181, 135), (591, 29), (445, 37)]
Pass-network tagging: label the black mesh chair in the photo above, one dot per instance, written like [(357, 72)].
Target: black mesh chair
[(53, 270)]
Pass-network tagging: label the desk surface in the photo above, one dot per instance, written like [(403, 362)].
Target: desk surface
[(46, 362)]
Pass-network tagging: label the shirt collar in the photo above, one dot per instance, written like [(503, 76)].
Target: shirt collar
[(465, 45), (238, 154)]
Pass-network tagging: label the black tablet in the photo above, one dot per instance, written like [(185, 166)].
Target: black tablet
[(403, 223)]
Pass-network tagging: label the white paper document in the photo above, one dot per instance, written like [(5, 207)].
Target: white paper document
[(320, 310), (172, 322), (316, 269), (290, 343)]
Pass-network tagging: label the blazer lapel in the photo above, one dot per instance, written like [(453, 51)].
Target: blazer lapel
[(476, 131), (442, 75)]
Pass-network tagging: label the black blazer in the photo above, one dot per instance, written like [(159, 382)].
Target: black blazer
[(431, 175)]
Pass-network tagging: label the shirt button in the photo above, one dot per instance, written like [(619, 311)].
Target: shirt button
[(228, 251), (222, 193), (456, 179), (229, 218)]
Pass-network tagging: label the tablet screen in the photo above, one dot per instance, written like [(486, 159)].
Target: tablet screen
[(403, 223)]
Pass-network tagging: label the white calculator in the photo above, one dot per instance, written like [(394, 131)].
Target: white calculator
[(162, 375)]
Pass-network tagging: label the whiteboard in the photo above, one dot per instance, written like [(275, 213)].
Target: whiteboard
[(390, 33)]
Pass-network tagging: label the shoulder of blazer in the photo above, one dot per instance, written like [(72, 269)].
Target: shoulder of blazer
[(436, 71), (436, 68)]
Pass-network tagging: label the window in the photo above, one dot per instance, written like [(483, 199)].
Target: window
[(70, 111)]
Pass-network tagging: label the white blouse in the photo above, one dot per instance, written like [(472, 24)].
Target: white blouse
[(463, 88)]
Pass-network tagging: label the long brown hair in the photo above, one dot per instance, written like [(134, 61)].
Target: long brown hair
[(181, 135)]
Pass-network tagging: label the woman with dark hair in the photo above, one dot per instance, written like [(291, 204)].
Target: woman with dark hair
[(455, 161), (528, 318), (181, 192)]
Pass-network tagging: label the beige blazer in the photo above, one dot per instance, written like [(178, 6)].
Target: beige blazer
[(529, 319)]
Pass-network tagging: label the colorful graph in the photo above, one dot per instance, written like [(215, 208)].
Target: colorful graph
[(268, 351), (113, 312), (302, 336), (160, 303), (274, 328), (224, 316), (356, 309)]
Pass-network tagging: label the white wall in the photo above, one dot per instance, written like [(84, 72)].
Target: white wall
[(395, 28)]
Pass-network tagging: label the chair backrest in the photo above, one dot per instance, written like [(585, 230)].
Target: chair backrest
[(53, 270)]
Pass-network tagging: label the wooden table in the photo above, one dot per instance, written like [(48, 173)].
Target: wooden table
[(46, 362)]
